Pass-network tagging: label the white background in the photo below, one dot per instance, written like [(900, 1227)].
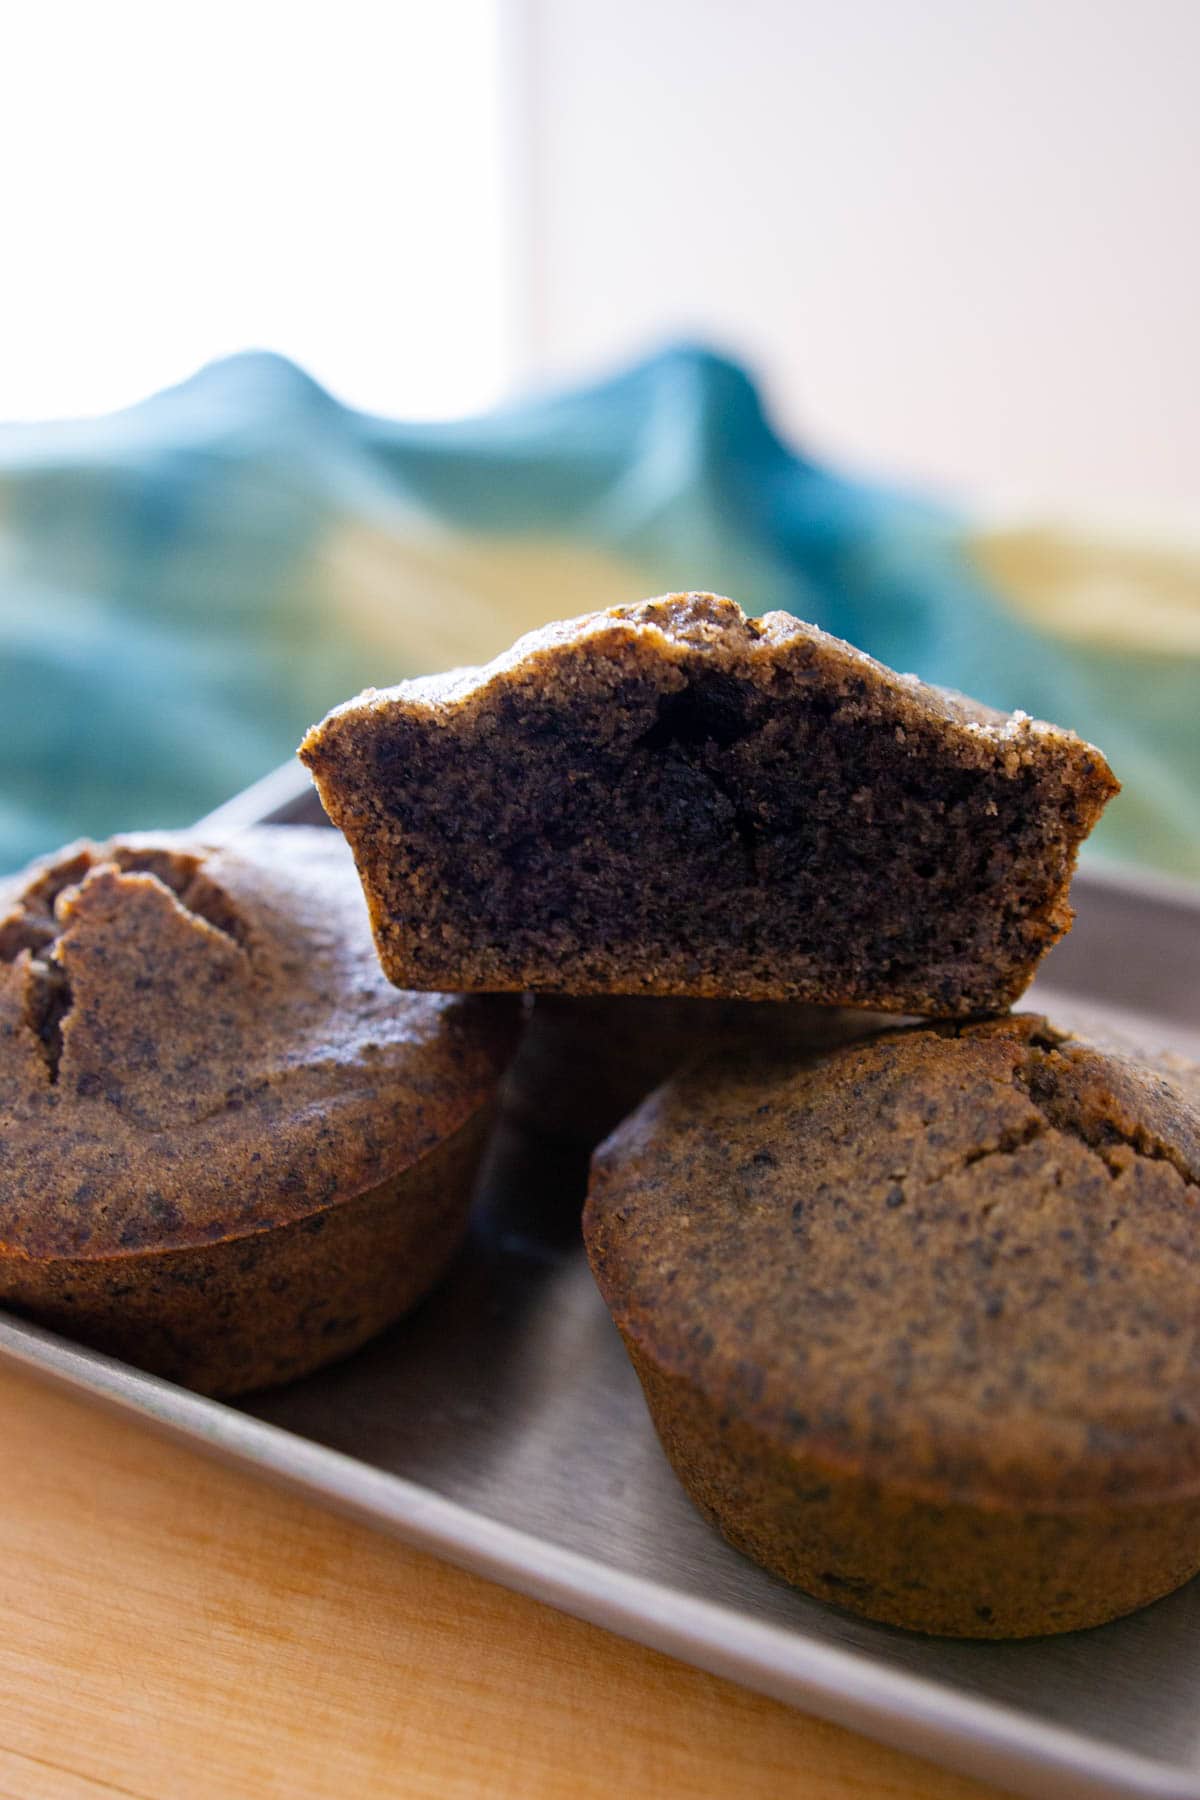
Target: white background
[(958, 238), (178, 181)]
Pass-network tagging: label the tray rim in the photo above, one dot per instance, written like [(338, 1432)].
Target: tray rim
[(914, 1713)]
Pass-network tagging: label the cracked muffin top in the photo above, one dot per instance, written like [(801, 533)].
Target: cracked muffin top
[(196, 1042), (963, 1259), (675, 799)]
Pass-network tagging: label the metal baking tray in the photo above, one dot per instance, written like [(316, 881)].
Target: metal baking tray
[(501, 1427)]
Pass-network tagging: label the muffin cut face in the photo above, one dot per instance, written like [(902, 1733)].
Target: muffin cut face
[(916, 1318), (674, 799)]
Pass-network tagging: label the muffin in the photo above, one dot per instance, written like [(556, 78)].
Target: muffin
[(916, 1319), (673, 799), (232, 1150), (583, 1064)]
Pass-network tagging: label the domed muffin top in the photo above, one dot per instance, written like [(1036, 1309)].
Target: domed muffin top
[(964, 1260), (196, 1042)]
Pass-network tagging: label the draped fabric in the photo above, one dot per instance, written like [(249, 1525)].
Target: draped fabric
[(186, 585)]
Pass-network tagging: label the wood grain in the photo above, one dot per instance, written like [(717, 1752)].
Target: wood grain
[(174, 1630)]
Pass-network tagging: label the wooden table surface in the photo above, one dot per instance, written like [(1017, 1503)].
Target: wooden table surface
[(173, 1628)]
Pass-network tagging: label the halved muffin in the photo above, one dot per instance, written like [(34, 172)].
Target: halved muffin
[(675, 799)]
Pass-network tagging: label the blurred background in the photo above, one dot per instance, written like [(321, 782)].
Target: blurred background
[(345, 344)]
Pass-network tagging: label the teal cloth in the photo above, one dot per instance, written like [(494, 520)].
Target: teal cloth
[(174, 609)]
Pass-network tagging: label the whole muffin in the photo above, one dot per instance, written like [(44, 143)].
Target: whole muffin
[(916, 1319), (233, 1150)]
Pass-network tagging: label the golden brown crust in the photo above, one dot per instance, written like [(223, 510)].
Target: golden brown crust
[(205, 1084), (248, 1312), (674, 799), (949, 1566), (211, 1081), (945, 1281)]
